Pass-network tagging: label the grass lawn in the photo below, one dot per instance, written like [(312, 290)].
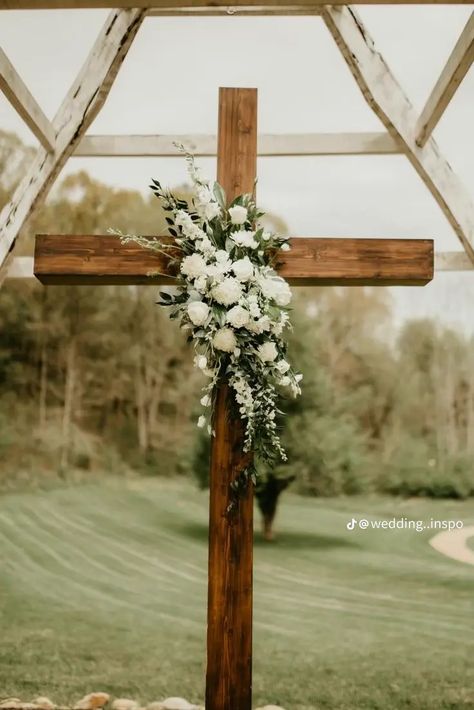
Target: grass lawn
[(103, 587)]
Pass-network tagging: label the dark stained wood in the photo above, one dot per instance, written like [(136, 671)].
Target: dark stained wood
[(92, 259), (229, 629)]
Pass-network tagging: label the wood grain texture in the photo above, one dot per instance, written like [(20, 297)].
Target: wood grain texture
[(229, 630), (312, 261)]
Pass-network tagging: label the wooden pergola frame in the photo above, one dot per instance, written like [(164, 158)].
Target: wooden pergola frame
[(406, 132)]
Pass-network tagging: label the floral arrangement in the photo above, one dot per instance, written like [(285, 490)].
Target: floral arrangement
[(233, 304)]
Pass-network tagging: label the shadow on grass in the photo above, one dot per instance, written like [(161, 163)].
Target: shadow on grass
[(284, 539)]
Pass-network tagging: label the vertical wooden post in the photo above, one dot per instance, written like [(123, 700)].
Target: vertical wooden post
[(229, 631)]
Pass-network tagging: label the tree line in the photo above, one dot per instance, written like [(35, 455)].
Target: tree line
[(97, 379)]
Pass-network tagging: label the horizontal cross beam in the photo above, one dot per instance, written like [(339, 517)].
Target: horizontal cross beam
[(312, 261), (22, 266), (268, 145)]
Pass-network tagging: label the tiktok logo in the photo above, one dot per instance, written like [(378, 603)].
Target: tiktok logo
[(351, 525)]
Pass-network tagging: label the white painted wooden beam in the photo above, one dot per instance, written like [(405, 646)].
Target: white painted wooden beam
[(232, 11), (453, 261), (268, 145), (79, 108), (21, 267), (448, 83), (81, 4), (387, 99), (17, 93)]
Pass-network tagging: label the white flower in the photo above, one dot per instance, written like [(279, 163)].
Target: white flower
[(200, 361), (243, 269), (225, 340), (277, 289), (298, 378), (253, 306), (285, 247), (201, 421), (266, 236), (238, 214), (267, 352), (244, 239), (222, 256), (260, 325), (203, 196), (285, 381), (238, 317), (206, 400), (211, 210), (282, 366), (198, 311), (200, 284), (182, 219), (206, 246), (227, 292), (193, 266)]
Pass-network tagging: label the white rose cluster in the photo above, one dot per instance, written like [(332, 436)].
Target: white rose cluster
[(277, 289)]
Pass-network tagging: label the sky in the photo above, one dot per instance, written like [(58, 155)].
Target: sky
[(169, 84)]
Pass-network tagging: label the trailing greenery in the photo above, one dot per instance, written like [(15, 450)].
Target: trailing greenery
[(232, 304)]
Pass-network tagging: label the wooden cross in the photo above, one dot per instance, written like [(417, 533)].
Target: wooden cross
[(72, 259)]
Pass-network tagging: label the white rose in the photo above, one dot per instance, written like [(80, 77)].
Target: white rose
[(238, 214), (225, 340), (282, 366), (198, 312), (277, 289), (243, 269), (200, 361), (267, 352), (244, 239), (238, 317), (201, 422), (206, 400), (228, 291), (285, 381), (285, 247), (221, 256), (193, 266)]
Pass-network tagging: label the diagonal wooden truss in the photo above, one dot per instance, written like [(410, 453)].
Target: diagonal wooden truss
[(406, 132)]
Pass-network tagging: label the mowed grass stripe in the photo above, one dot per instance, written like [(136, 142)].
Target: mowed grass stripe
[(72, 582), (343, 621), (110, 548)]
